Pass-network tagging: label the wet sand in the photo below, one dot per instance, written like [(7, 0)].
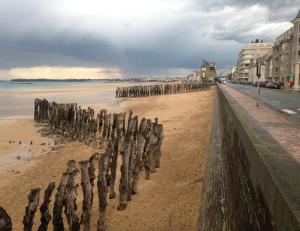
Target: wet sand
[(174, 189)]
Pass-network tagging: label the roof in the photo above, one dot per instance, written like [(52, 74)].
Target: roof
[(205, 62), (297, 17)]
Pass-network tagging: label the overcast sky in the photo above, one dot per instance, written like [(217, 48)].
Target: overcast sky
[(115, 38)]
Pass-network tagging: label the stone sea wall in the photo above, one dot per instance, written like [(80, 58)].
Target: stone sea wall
[(251, 182)]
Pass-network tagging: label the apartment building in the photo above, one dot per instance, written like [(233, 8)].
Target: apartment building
[(250, 52), (208, 71), (268, 61), (286, 56)]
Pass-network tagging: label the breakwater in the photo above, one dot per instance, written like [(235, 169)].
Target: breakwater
[(251, 181), (159, 89), (137, 142)]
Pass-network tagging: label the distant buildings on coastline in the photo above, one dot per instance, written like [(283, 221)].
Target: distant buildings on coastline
[(206, 73), (278, 62), (135, 79)]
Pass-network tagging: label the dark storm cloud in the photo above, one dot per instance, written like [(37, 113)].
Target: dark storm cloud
[(35, 33)]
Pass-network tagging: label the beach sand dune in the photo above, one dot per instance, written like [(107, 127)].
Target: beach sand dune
[(174, 189)]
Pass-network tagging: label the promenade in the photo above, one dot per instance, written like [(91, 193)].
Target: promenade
[(277, 99), (284, 129)]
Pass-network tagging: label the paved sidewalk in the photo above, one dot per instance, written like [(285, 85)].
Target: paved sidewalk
[(286, 132), (283, 101)]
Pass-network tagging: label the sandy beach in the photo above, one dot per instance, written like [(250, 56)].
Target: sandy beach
[(174, 190)]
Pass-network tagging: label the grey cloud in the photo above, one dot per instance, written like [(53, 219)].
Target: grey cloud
[(32, 35), (279, 9)]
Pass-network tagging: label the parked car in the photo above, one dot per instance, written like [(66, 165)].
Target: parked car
[(269, 84), (277, 86), (272, 85), (262, 84)]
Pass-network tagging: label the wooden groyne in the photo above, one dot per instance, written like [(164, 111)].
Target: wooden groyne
[(138, 143), (159, 89)]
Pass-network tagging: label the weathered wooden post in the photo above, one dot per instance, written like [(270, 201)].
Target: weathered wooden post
[(57, 220), (113, 167), (124, 180), (60, 197), (133, 128), (70, 201), (44, 209), (5, 220), (33, 203), (139, 150), (92, 168), (87, 195), (160, 137), (123, 187), (102, 192)]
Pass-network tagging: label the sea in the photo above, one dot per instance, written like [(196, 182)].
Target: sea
[(17, 98)]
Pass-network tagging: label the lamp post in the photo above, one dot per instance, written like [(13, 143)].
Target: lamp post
[(258, 76)]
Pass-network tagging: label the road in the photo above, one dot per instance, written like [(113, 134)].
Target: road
[(278, 99)]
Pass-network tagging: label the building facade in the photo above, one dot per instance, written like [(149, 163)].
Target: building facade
[(208, 71), (251, 51), (268, 61), (286, 57)]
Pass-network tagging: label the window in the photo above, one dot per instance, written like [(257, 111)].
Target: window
[(298, 54), (281, 68), (299, 41)]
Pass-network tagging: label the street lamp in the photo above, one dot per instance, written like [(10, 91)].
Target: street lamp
[(258, 74)]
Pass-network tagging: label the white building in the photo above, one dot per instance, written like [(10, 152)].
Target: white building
[(250, 52)]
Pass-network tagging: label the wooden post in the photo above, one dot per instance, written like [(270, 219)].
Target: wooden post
[(33, 203), (132, 135), (123, 187), (102, 192), (70, 201), (44, 209), (5, 221), (109, 154), (129, 118), (135, 168), (60, 197), (113, 167), (57, 221), (87, 194), (126, 152), (92, 168)]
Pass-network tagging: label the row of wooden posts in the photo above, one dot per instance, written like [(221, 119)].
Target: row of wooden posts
[(79, 123), (139, 145), (159, 89)]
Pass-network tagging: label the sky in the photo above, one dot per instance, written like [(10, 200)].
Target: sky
[(131, 38)]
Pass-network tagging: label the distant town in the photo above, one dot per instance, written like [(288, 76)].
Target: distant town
[(276, 64)]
